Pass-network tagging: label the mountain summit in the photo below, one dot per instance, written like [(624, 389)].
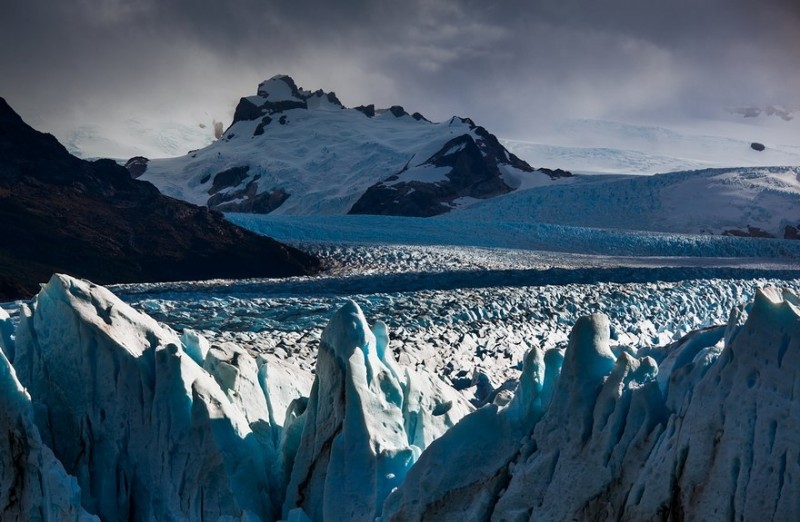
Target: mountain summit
[(293, 151)]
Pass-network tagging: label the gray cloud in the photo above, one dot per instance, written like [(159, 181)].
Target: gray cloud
[(507, 64)]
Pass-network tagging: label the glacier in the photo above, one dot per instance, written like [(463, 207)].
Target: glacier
[(108, 414), (35, 484), (713, 437)]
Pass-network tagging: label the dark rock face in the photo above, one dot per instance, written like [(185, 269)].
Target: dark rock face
[(288, 80), (228, 178), (473, 165), (757, 146), (555, 173), (137, 166), (397, 111), (419, 117), (368, 110), (247, 110), (92, 220), (791, 232), (266, 120), (749, 232), (246, 200)]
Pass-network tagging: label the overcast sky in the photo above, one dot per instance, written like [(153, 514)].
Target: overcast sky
[(508, 65)]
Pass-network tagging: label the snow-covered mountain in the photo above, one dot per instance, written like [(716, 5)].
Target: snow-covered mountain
[(761, 202), (105, 412), (291, 151)]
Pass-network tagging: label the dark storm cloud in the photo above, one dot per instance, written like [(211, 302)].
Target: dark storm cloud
[(507, 64)]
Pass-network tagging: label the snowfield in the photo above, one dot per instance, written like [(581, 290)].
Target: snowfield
[(613, 147), (694, 202)]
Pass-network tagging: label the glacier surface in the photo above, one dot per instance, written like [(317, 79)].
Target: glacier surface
[(113, 415)]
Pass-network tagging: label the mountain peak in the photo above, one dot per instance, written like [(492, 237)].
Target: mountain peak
[(279, 88), (279, 94)]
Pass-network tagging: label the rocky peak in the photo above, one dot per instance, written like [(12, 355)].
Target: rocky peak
[(279, 94), (281, 88)]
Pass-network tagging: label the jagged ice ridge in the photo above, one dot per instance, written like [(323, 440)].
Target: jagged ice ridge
[(109, 414)]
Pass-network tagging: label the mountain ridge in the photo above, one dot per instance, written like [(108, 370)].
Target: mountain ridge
[(301, 152), (91, 219)]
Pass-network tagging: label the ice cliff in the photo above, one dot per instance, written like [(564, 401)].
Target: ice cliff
[(148, 432), (107, 414), (704, 429), (365, 425)]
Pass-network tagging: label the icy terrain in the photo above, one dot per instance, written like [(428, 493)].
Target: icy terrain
[(694, 202), (702, 429), (152, 137), (440, 381), (613, 147), (610, 377), (450, 231)]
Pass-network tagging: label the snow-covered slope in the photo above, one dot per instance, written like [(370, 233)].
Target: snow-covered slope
[(599, 146), (150, 137), (694, 202), (291, 151)]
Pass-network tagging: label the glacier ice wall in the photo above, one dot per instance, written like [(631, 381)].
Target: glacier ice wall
[(108, 414), (35, 484), (147, 432), (731, 450), (710, 434), (364, 425)]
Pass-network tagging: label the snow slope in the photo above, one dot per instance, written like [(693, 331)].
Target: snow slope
[(694, 202), (149, 137), (291, 151), (599, 146)]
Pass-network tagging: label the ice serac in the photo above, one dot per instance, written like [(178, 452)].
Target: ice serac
[(585, 451), (461, 474), (6, 335), (731, 450), (33, 483), (709, 435), (148, 433), (363, 426)]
